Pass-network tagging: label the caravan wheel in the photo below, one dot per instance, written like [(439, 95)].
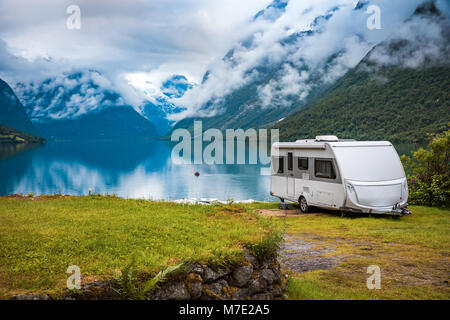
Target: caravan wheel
[(303, 204)]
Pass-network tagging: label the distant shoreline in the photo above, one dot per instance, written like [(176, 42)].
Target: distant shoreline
[(201, 201)]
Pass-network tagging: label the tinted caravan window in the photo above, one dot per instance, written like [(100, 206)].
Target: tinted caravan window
[(290, 161), (303, 163), (324, 169), (280, 165)]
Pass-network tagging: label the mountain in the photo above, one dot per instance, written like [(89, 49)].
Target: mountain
[(82, 105), (120, 122), (12, 112), (68, 96), (11, 135), (160, 107), (287, 77), (398, 92)]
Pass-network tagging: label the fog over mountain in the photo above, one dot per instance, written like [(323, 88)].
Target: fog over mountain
[(398, 92), (182, 60), (305, 42)]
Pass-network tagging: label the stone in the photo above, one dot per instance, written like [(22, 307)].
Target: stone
[(268, 276), (211, 275), (197, 268), (277, 274), (242, 275), (173, 291), (257, 285), (251, 259), (240, 294), (215, 290), (268, 262), (194, 285), (94, 284), (262, 296), (276, 292), (31, 297)]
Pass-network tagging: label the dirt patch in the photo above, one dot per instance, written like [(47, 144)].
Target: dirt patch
[(299, 255), (290, 212), (278, 213)]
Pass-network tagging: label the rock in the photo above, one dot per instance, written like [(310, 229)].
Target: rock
[(240, 294), (268, 276), (268, 262), (197, 268), (242, 275), (276, 292), (31, 297), (251, 259), (173, 291), (262, 296), (100, 284), (277, 273), (215, 290), (211, 275), (257, 285), (194, 285)]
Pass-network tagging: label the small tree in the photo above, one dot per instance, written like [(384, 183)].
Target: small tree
[(428, 172)]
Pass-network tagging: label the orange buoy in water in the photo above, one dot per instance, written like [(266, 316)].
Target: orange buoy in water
[(196, 173)]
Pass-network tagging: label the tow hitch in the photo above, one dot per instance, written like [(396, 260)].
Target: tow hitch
[(400, 210)]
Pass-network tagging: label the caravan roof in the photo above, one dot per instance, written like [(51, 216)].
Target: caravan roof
[(319, 143)]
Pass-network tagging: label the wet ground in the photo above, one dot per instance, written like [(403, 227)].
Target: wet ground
[(300, 256)]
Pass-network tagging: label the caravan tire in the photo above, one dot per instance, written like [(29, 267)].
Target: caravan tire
[(303, 204)]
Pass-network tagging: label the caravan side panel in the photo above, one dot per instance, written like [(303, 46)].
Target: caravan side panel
[(278, 186)]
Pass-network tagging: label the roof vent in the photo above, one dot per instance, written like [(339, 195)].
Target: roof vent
[(327, 138)]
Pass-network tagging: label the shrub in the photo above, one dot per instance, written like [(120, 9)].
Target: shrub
[(268, 245), (129, 286), (428, 173)]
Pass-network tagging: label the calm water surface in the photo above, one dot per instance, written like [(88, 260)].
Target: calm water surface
[(141, 169)]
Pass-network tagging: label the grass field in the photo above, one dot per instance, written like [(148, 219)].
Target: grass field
[(41, 236), (413, 254)]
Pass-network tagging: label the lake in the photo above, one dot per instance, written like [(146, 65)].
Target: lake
[(139, 169)]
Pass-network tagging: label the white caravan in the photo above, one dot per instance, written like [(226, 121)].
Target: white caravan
[(346, 175)]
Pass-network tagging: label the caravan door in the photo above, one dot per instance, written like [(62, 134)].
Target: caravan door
[(291, 187), (290, 179)]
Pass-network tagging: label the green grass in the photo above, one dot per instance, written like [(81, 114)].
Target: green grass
[(427, 227), (412, 252), (41, 237)]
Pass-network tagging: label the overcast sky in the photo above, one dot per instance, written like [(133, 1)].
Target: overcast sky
[(180, 36), (143, 42)]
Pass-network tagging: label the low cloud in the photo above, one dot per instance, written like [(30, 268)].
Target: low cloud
[(421, 41), (68, 96), (309, 43)]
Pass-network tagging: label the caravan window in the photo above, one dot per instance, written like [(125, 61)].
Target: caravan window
[(280, 165), (290, 161), (324, 169), (303, 163)]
